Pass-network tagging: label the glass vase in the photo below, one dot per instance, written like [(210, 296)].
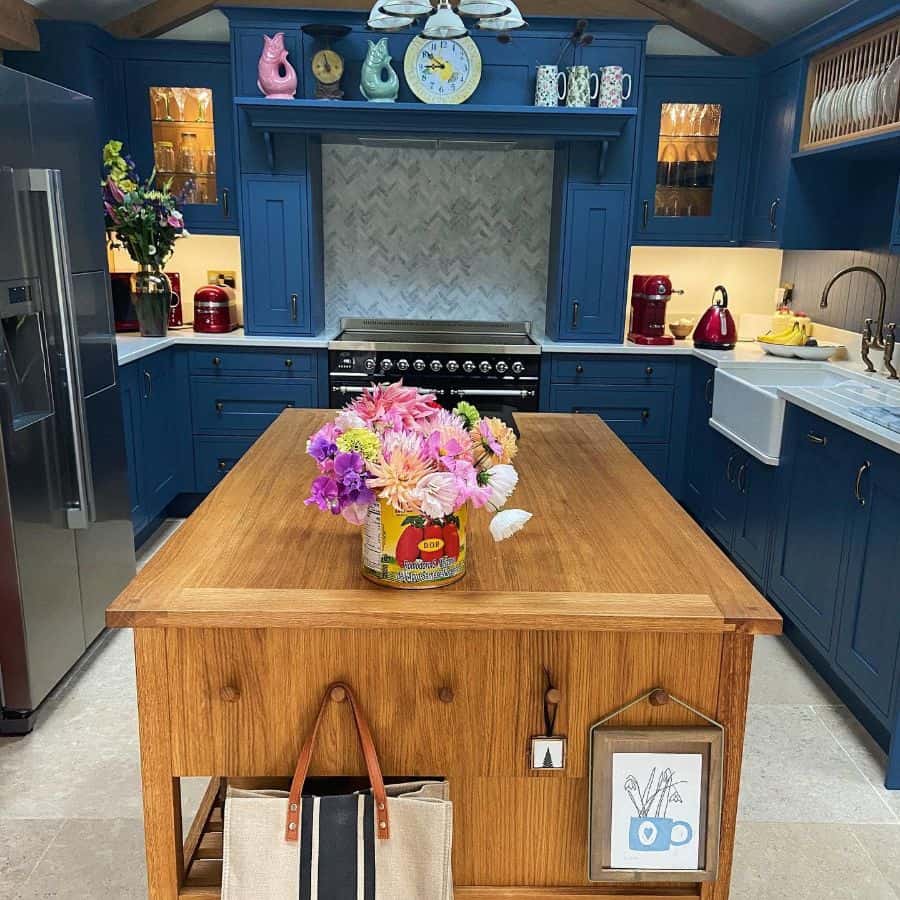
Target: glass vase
[(151, 295)]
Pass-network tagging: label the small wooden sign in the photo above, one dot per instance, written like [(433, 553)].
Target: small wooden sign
[(656, 804)]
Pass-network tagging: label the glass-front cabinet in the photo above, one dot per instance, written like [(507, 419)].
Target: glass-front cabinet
[(692, 145), (180, 124)]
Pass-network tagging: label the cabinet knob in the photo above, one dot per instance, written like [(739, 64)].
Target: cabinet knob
[(230, 693), (219, 406), (288, 363), (445, 695), (222, 465), (645, 415), (648, 370), (216, 361), (579, 369)]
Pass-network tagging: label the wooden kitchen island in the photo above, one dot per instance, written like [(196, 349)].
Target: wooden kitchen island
[(257, 603)]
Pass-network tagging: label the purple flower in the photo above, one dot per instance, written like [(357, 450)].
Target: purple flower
[(321, 447), (114, 191), (324, 494), (349, 470)]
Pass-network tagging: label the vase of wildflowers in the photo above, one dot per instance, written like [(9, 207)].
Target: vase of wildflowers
[(146, 222), (408, 471)]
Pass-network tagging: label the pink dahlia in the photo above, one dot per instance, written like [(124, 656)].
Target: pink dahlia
[(393, 406), (448, 437), (402, 465)]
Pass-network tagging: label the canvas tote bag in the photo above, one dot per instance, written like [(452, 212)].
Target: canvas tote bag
[(390, 843)]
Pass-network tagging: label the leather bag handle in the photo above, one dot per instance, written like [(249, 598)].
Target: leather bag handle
[(366, 745)]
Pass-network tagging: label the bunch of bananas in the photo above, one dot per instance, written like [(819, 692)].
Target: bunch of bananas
[(795, 335)]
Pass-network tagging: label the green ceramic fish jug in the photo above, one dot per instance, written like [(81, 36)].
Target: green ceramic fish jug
[(373, 82)]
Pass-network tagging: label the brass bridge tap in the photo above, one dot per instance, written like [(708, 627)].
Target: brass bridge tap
[(866, 344), (889, 343)]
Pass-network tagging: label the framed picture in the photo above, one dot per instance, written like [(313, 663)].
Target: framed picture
[(656, 804)]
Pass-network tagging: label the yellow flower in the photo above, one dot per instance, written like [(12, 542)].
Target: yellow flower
[(361, 441)]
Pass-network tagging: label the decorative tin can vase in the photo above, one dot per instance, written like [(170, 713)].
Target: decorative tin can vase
[(404, 550)]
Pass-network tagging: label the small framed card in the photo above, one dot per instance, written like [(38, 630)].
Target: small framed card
[(548, 753), (656, 803)]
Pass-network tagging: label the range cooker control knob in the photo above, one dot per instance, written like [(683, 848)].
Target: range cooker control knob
[(435, 365), (501, 367), (402, 365), (518, 368), (387, 365), (452, 366), (468, 367), (369, 364), (484, 367), (419, 365)]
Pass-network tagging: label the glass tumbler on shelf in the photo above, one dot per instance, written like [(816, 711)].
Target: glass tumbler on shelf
[(187, 153), (164, 156), (210, 162)]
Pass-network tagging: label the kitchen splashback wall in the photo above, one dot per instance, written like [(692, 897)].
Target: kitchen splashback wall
[(446, 234), (809, 270)]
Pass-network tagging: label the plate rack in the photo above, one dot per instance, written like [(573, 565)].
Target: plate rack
[(853, 89)]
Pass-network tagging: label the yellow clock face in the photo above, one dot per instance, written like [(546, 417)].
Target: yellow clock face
[(442, 70), (327, 66)]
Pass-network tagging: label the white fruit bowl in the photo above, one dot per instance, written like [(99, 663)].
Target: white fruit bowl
[(821, 352)]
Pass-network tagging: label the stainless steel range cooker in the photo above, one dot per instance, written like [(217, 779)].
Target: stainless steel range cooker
[(495, 365)]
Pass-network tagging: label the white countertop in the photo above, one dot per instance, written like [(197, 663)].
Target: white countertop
[(132, 346)]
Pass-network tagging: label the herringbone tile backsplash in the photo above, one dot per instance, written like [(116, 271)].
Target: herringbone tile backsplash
[(440, 234)]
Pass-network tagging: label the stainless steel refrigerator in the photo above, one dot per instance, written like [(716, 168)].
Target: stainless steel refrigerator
[(66, 545)]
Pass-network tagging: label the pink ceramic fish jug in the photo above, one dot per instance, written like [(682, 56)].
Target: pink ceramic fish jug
[(276, 77)]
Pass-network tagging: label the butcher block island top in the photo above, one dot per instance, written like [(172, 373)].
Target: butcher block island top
[(608, 549)]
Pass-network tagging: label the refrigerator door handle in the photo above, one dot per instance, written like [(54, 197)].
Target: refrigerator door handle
[(49, 182)]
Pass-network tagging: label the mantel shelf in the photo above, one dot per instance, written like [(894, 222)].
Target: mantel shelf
[(429, 120)]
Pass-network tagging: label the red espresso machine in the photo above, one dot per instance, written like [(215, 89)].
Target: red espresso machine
[(649, 296)]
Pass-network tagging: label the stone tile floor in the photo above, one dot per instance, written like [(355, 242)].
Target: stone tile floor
[(815, 821)]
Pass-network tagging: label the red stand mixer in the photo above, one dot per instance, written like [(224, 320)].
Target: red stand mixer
[(649, 296)]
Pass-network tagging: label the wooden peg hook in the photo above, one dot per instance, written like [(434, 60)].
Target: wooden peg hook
[(658, 697), (338, 694)]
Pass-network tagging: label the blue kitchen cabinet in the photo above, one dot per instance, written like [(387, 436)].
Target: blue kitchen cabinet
[(776, 125), (156, 433), (895, 235), (815, 488), (585, 303), (723, 507), (214, 206), (692, 156), (276, 252), (700, 442), (868, 637)]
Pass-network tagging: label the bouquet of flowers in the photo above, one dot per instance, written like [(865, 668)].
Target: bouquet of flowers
[(146, 221), (399, 447)]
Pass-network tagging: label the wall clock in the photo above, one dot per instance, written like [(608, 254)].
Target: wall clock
[(442, 70)]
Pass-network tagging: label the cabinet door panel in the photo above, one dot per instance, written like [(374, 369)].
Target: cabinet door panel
[(130, 393), (869, 631), (700, 440), (634, 413), (694, 133), (245, 407), (274, 252), (613, 369), (215, 457), (594, 284), (158, 389), (654, 456), (752, 535), (776, 118), (815, 488), (723, 509)]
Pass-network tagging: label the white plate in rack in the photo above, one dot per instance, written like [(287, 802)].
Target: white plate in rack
[(890, 89), (814, 113), (825, 109)]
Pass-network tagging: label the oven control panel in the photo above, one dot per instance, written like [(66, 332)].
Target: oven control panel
[(469, 366)]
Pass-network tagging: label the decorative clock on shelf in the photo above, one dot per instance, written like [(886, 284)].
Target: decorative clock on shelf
[(442, 70)]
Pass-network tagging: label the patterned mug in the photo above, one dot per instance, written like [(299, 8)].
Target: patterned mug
[(612, 92), (548, 89), (579, 92)]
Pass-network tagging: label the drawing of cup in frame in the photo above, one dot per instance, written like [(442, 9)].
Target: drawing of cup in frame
[(656, 803)]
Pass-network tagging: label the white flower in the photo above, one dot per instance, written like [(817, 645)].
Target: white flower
[(347, 419), (506, 523), (502, 480), (435, 494), (151, 250)]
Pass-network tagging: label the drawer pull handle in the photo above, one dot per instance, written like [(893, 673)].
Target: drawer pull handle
[(728, 472), (576, 308), (445, 695), (225, 203), (645, 214), (857, 487), (293, 307), (648, 370), (289, 363), (579, 369), (742, 478), (219, 406), (814, 438), (708, 391), (645, 414), (230, 693), (216, 361)]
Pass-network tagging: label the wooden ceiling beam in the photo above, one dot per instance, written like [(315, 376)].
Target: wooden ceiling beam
[(707, 26), (17, 28), (688, 16)]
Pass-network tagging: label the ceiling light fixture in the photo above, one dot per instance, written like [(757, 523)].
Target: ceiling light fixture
[(509, 21), (444, 21)]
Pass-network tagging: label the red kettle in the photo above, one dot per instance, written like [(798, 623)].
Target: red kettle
[(716, 329)]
